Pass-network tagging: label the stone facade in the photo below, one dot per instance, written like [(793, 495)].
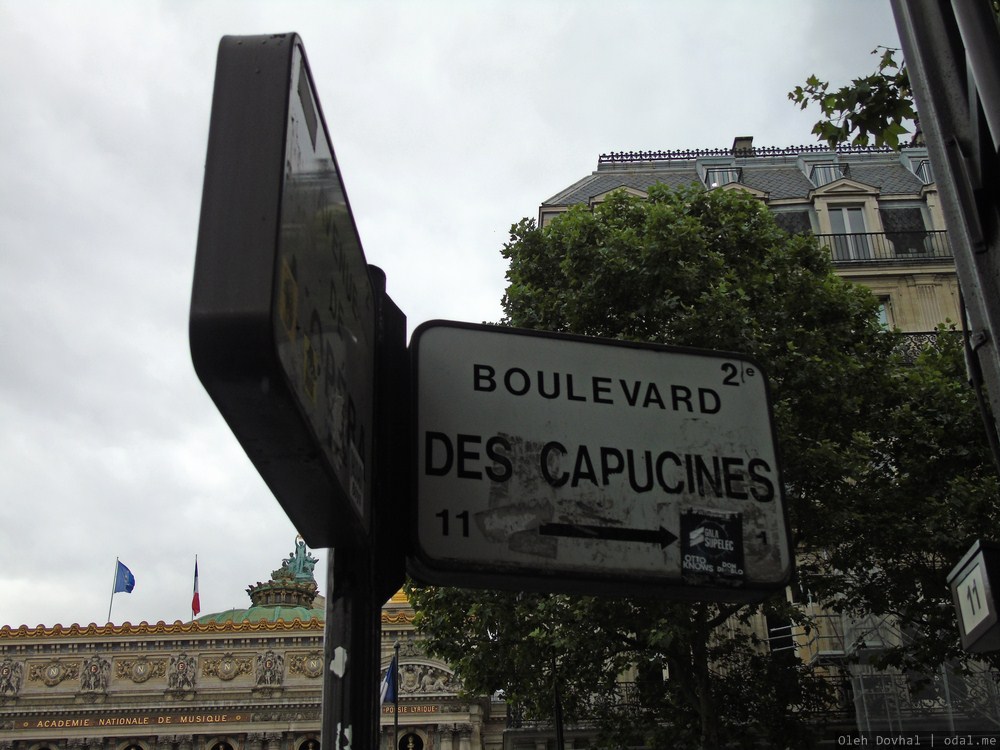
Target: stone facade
[(877, 211), (239, 680)]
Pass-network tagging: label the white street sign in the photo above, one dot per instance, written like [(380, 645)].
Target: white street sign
[(972, 583), (973, 605), (572, 464)]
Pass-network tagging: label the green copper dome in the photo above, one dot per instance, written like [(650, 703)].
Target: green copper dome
[(290, 594), (268, 614)]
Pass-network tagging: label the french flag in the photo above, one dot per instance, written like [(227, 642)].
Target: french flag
[(388, 691), (195, 600)]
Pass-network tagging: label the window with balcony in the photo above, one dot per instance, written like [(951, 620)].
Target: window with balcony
[(905, 230), (850, 240)]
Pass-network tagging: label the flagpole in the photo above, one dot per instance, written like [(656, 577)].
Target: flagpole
[(395, 700), (114, 580)]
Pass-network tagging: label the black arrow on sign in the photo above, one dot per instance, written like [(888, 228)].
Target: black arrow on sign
[(660, 536)]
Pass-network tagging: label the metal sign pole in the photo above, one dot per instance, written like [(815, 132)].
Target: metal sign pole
[(951, 50), (336, 719), (349, 716), (295, 345)]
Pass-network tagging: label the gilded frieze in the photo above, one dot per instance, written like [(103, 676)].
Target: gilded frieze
[(160, 628), (310, 665), (54, 672), (226, 667), (141, 669)]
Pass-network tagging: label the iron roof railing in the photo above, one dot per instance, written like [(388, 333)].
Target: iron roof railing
[(887, 247), (631, 157)]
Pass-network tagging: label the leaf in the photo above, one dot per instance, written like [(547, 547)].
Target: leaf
[(876, 106)]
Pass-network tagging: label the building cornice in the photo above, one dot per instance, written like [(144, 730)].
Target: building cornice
[(160, 628), (400, 617), (8, 633)]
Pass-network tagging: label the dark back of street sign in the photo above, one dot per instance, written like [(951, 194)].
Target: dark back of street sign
[(561, 463), (282, 309)]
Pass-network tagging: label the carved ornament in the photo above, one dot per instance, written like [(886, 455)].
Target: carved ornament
[(310, 665), (226, 667), (141, 669), (53, 673)]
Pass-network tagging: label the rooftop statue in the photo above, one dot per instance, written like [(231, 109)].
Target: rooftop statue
[(300, 564)]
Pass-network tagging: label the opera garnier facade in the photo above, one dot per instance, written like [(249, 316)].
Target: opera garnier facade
[(243, 679)]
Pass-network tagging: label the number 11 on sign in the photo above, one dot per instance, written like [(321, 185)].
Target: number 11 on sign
[(972, 603), (445, 526)]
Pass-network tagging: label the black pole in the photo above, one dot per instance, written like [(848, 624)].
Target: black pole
[(558, 714), (951, 52), (395, 699), (336, 641), (390, 478), (349, 719)]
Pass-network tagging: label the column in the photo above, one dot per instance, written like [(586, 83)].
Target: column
[(446, 738)]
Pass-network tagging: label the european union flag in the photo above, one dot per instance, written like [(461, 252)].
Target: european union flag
[(124, 580)]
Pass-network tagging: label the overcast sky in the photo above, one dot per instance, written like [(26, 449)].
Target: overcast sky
[(450, 120)]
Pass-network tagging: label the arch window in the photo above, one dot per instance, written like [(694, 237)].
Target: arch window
[(411, 741)]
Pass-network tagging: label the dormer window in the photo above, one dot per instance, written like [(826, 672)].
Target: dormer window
[(917, 161), (822, 174), (716, 171), (923, 170), (719, 176)]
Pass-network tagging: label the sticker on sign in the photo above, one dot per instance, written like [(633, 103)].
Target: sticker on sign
[(565, 463)]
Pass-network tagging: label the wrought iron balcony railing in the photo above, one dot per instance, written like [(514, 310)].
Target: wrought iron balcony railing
[(887, 247)]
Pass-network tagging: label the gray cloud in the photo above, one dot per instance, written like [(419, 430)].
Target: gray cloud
[(450, 121)]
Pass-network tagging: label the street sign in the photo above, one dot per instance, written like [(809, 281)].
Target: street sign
[(564, 463), (282, 310), (972, 584)]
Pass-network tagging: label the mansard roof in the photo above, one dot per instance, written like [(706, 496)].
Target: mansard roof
[(778, 172)]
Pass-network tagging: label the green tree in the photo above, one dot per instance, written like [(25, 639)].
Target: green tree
[(932, 489), (864, 437), (695, 268), (939, 478)]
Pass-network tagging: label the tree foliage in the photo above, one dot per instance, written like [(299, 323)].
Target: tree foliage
[(876, 454), (713, 270), (933, 490), (878, 106), (875, 107)]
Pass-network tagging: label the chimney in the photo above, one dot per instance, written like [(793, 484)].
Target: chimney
[(743, 145)]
